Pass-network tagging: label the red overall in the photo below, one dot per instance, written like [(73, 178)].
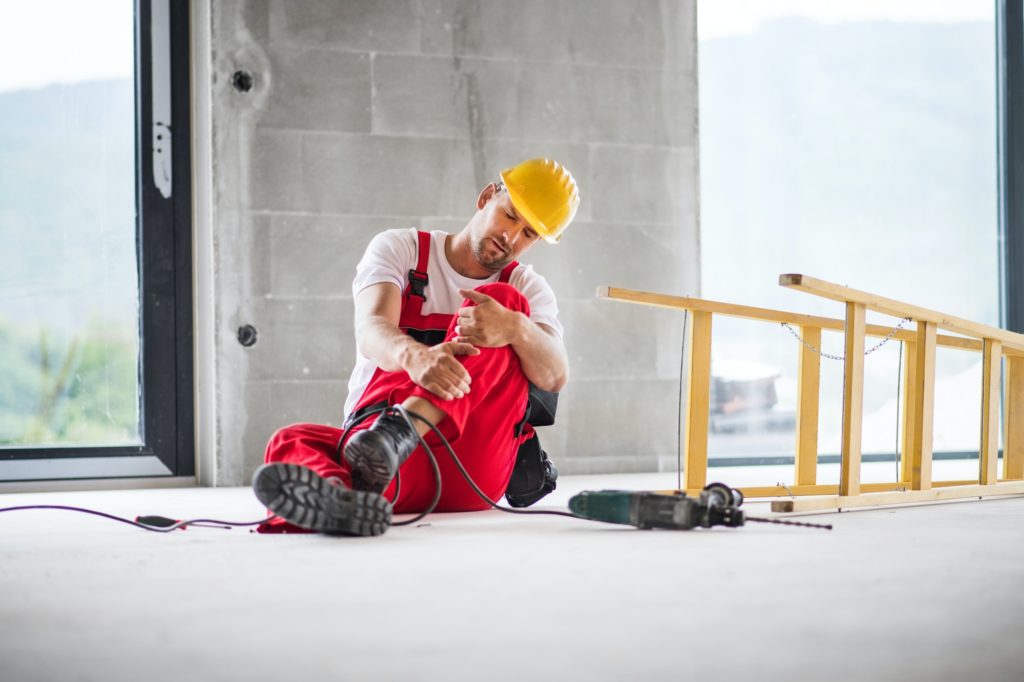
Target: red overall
[(481, 426)]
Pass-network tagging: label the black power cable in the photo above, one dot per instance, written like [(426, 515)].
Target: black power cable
[(406, 414), (157, 524), (160, 524)]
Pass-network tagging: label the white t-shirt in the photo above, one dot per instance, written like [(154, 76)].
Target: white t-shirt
[(390, 256)]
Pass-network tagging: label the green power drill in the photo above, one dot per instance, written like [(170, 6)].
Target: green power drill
[(718, 505)]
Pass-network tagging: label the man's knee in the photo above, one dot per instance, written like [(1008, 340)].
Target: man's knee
[(507, 295), (282, 435), (284, 438)]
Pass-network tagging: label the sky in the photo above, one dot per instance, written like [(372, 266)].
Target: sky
[(64, 41), (67, 41), (721, 18)]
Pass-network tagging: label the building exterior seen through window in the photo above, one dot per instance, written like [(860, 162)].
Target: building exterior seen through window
[(69, 301), (853, 141)]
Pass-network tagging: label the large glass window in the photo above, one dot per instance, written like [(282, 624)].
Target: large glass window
[(855, 142), (95, 240), (69, 312)]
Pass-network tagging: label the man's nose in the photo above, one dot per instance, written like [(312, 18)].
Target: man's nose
[(512, 237)]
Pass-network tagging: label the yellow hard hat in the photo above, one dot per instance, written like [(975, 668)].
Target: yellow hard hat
[(545, 194)]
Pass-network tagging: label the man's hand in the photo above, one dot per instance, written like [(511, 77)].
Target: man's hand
[(436, 369), (488, 324)]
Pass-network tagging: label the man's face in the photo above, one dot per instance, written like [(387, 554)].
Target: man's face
[(500, 235)]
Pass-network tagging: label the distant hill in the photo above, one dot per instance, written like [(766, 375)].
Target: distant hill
[(68, 301), (67, 204)]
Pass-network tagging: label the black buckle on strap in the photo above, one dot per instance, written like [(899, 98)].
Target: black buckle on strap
[(361, 414), (418, 281)]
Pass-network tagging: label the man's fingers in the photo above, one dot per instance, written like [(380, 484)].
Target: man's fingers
[(468, 315), (448, 378), (475, 296), (439, 391), (455, 372), (449, 385), (460, 388), (474, 341), (452, 386), (459, 346)]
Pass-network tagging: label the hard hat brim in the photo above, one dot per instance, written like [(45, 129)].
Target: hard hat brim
[(523, 208)]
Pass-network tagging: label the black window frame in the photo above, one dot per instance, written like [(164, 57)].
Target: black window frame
[(1010, 110), (164, 256)]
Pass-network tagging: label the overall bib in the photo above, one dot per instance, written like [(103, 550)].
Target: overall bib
[(485, 427)]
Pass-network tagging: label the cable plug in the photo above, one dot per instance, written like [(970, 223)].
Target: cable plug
[(158, 521)]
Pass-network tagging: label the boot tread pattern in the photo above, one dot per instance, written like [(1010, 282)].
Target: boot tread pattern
[(370, 469), (299, 496)]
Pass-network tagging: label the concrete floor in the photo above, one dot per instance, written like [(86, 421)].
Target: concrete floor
[(925, 593)]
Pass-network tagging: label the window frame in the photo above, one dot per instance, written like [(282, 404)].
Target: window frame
[(164, 257), (1010, 150)]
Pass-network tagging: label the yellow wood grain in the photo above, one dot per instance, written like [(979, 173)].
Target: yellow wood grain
[(923, 386), (938, 494), (647, 298), (808, 389), (900, 309), (853, 400), (1013, 441), (990, 369), (695, 456), (909, 403), (833, 489)]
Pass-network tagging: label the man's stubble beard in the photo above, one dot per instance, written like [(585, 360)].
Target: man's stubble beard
[(480, 248)]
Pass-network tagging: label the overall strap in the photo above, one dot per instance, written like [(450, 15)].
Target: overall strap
[(418, 279), (414, 294), (506, 272), (427, 329)]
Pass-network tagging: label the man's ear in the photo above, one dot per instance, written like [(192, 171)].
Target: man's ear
[(486, 195)]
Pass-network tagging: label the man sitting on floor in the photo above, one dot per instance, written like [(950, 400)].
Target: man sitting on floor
[(453, 330)]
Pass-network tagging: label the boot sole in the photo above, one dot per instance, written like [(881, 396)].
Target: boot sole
[(303, 498), (370, 471)]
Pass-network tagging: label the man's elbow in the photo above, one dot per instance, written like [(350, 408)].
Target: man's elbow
[(555, 383), (361, 342)]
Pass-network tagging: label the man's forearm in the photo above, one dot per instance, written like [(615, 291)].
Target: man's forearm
[(385, 344), (541, 355)]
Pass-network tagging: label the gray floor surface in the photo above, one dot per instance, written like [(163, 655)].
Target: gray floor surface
[(922, 593)]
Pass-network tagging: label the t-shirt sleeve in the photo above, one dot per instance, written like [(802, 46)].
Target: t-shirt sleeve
[(543, 305), (388, 258)]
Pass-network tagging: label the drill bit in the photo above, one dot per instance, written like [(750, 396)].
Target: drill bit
[(759, 519)]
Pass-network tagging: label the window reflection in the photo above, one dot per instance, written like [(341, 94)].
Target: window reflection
[(855, 142)]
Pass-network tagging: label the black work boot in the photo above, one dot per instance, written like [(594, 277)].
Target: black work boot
[(375, 454), (302, 497)]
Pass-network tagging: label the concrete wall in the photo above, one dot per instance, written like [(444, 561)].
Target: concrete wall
[(372, 114)]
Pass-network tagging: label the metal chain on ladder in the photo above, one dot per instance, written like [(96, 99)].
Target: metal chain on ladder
[(869, 351)]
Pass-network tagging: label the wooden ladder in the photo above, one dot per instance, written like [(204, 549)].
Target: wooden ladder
[(915, 484)]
